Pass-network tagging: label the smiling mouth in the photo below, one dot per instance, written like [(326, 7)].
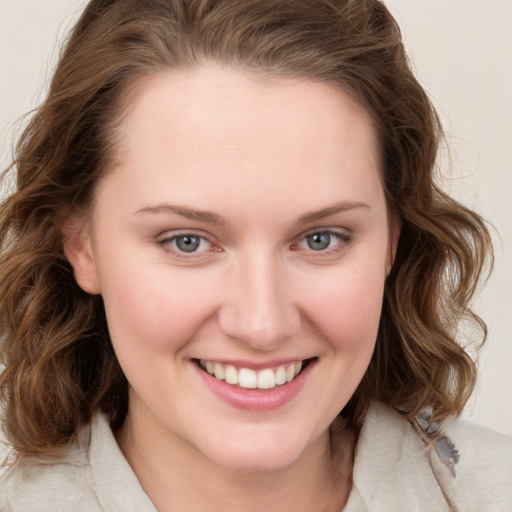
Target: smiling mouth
[(247, 378)]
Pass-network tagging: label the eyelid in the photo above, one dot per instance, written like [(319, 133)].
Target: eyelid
[(164, 241), (344, 235)]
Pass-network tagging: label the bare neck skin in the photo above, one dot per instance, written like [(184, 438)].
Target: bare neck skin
[(179, 479)]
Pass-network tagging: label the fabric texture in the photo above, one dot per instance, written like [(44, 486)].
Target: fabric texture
[(399, 466)]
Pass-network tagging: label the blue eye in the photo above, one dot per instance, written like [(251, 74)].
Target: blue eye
[(186, 243), (319, 241), (322, 241)]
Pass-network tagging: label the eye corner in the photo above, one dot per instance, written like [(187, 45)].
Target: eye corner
[(329, 241), (186, 244)]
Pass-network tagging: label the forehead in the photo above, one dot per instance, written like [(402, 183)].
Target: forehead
[(214, 94), (224, 127)]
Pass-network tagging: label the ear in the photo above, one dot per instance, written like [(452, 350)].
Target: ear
[(78, 249), (395, 229)]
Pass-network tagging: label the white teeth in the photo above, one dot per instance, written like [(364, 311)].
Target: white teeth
[(219, 371), (266, 379), (290, 372), (231, 375), (247, 378), (251, 379), (280, 376)]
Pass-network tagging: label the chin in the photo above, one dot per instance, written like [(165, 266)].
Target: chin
[(250, 462), (256, 453)]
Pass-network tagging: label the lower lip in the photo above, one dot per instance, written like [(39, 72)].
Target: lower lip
[(255, 400)]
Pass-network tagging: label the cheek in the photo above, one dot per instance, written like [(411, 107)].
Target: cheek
[(154, 311), (152, 319), (344, 310), (347, 307)]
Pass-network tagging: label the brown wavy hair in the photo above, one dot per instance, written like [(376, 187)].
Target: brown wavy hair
[(59, 365)]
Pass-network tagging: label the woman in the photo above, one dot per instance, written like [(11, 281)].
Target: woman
[(229, 281)]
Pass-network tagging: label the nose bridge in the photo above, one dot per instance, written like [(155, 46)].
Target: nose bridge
[(259, 308)]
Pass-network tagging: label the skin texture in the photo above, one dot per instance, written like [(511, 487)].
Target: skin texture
[(259, 155)]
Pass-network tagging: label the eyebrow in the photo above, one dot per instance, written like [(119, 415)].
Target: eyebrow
[(341, 207), (213, 218), (184, 211)]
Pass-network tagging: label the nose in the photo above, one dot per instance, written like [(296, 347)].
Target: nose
[(258, 306)]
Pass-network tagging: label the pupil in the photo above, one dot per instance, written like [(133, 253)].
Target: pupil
[(319, 241), (187, 243)]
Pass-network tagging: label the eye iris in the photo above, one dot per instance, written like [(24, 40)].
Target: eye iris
[(319, 241), (187, 243)]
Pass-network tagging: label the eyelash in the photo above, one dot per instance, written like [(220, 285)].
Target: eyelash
[(166, 242), (343, 240)]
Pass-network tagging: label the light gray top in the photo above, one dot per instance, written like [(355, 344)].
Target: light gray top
[(399, 466)]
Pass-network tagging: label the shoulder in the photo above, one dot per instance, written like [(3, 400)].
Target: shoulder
[(484, 467), (55, 485), (425, 466), (92, 475)]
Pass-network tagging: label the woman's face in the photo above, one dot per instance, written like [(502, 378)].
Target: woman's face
[(243, 233)]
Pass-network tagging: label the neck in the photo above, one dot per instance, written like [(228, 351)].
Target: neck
[(177, 478)]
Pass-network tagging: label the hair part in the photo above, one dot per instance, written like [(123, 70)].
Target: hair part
[(60, 367)]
